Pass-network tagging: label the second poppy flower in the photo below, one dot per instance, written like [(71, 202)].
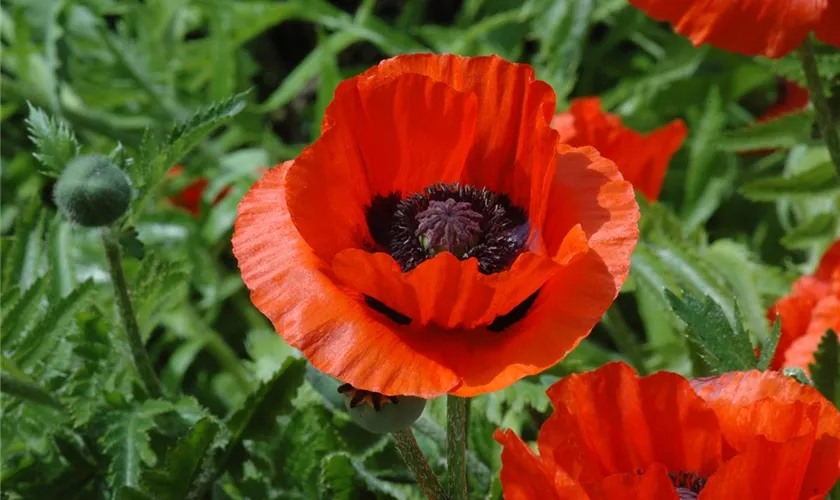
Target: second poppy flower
[(642, 159), (438, 237), (739, 436)]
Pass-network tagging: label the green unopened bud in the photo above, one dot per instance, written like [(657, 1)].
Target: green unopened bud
[(92, 191), (381, 414)]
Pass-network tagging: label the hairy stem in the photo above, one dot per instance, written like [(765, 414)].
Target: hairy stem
[(456, 446), (135, 342), (824, 116), (413, 457)]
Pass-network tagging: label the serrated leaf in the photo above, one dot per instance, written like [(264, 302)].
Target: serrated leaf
[(344, 478), (87, 386), (784, 132), (48, 331), (54, 141), (768, 350), (157, 287), (817, 180), (157, 156), (725, 348), (19, 315), (258, 415), (172, 479), (126, 440), (825, 371), (813, 230)]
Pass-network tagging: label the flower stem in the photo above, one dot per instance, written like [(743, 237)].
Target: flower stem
[(413, 457), (824, 118), (456, 446), (129, 320)]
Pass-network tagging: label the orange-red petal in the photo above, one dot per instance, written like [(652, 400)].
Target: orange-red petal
[(652, 483), (334, 329), (824, 316), (525, 477), (514, 145), (397, 134), (444, 290), (828, 27), (641, 159), (765, 470), (774, 27), (830, 262), (610, 421), (733, 396)]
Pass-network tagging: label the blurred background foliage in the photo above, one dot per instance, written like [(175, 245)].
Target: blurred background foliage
[(745, 209)]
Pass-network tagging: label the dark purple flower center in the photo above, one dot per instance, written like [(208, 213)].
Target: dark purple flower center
[(463, 220), (688, 485), (449, 225)]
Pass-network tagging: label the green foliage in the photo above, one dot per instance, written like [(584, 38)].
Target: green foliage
[(725, 347), (787, 131), (818, 180), (825, 371), (172, 479), (224, 88), (54, 139)]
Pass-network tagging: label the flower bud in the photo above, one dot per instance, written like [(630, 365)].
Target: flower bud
[(92, 191), (381, 414)]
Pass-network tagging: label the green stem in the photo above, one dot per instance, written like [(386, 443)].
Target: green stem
[(624, 338), (824, 118), (476, 469), (129, 320), (29, 391), (456, 446), (413, 457)]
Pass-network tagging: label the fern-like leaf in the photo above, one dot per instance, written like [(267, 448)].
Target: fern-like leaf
[(54, 140)]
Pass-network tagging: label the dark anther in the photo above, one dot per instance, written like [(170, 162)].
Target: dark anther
[(688, 485), (464, 220), (449, 225), (396, 317), (515, 314)]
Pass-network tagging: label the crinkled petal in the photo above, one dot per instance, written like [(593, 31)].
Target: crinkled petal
[(610, 421), (514, 144)]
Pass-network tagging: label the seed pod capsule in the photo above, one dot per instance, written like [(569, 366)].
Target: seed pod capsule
[(381, 414), (92, 191)]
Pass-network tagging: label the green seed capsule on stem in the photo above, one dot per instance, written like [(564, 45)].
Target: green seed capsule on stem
[(92, 191), (381, 414)]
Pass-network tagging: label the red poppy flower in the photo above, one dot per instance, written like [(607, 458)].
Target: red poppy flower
[(771, 28), (740, 436), (791, 98), (189, 197), (437, 238), (812, 308), (642, 159)]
